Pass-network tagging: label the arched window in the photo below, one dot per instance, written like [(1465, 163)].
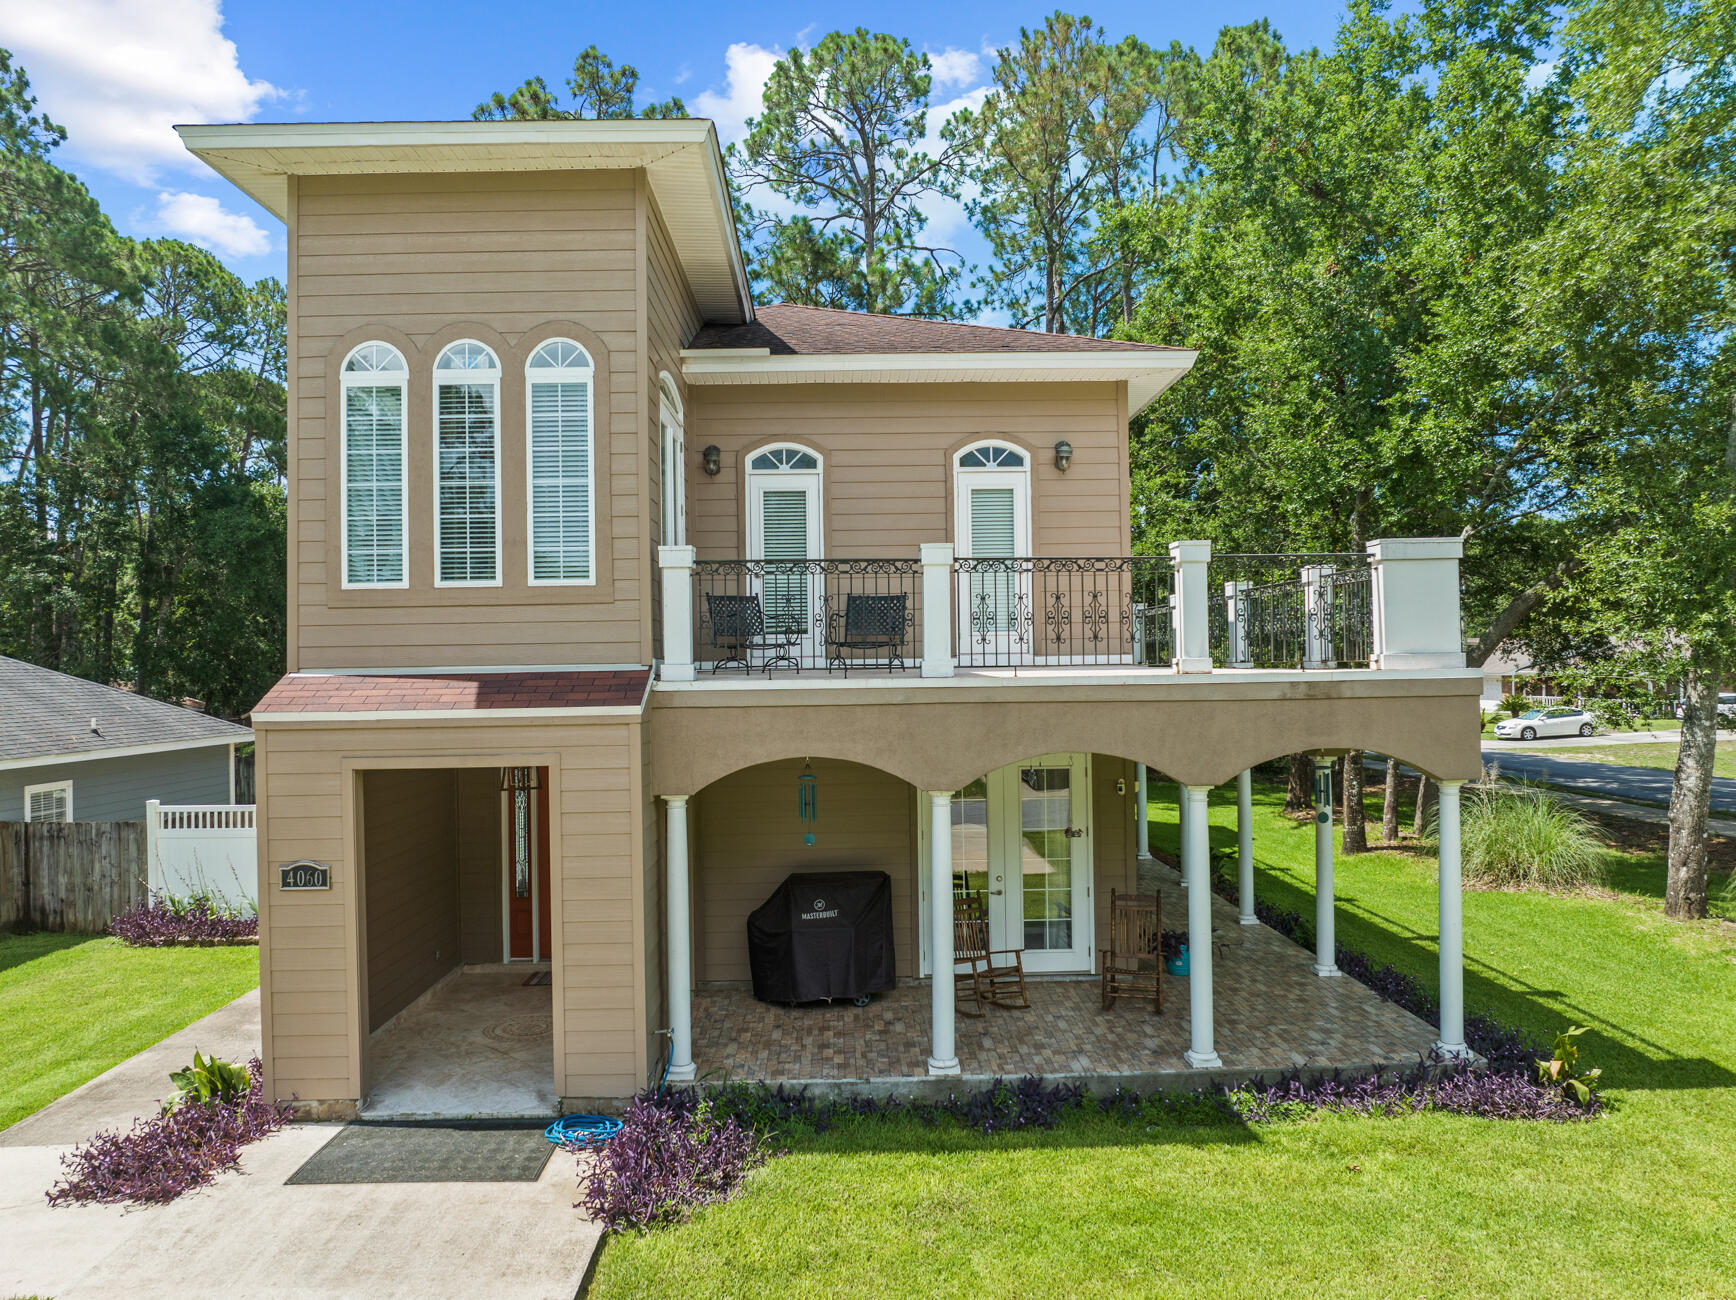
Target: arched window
[(672, 463), (467, 466), (992, 521), (560, 459), (373, 453), (783, 523), (772, 458), (991, 455)]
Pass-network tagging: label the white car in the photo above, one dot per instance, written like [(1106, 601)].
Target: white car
[(1533, 723), (1726, 705)]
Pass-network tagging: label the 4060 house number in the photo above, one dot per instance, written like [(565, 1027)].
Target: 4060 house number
[(304, 875)]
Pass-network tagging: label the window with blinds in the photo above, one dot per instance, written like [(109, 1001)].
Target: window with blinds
[(374, 472), (561, 464), (993, 522), (784, 534), (48, 803), (467, 465)]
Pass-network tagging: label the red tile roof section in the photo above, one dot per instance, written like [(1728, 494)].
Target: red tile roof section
[(416, 692), (791, 330)]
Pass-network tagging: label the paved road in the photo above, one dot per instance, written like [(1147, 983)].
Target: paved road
[(1600, 778)]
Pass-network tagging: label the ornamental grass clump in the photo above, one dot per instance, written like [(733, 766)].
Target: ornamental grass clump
[(164, 1155), (1516, 837), (163, 921)]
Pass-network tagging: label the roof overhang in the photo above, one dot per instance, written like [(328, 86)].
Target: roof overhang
[(241, 737), (680, 158), (1146, 374)]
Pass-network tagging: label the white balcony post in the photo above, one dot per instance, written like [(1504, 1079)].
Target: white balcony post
[(1181, 812), (676, 562), (1245, 847), (1142, 814), (937, 656), (1201, 1053), (1415, 594), (1193, 650), (1316, 608), (1325, 928), (679, 940), (944, 1058), (1452, 946), (1235, 597)]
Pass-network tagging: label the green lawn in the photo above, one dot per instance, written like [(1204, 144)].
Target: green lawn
[(1636, 1203), (72, 1005), (1661, 756)]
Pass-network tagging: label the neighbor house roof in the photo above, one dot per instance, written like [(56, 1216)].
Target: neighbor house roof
[(786, 344), (47, 715), (323, 696)]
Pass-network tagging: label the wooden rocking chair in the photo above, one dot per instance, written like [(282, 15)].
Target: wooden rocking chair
[(1133, 962), (983, 975)]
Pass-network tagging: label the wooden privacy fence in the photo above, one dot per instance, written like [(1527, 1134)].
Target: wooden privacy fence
[(73, 876)]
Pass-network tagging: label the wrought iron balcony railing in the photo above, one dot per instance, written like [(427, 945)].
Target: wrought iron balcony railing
[(807, 614), (1054, 611), (1302, 610)]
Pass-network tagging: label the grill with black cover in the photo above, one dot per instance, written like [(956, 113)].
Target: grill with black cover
[(823, 935)]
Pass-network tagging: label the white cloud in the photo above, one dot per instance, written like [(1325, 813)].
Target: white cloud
[(118, 74), (202, 220), (746, 69), (955, 68)]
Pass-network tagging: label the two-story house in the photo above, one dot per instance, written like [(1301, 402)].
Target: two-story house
[(615, 598)]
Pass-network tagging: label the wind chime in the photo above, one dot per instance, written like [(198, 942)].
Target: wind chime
[(808, 801)]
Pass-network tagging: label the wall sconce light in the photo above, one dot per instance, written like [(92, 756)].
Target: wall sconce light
[(1120, 785), (1063, 455), (712, 459)]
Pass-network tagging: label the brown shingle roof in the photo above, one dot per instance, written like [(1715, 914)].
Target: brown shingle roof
[(790, 330), (419, 692)]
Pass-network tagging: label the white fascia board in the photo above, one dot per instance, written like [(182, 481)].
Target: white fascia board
[(125, 751)]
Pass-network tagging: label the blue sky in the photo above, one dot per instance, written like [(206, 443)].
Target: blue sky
[(119, 73)]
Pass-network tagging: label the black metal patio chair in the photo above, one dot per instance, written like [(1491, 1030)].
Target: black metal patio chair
[(877, 624), (738, 628)]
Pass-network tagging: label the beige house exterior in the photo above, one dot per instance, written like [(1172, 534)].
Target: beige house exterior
[(546, 453)]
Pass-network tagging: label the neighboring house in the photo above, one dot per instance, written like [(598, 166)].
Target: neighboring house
[(594, 564), (72, 750)]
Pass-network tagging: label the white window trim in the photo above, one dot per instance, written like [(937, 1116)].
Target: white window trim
[(755, 541), (65, 786), (672, 442), (372, 379), (964, 477), (469, 378), (551, 375)]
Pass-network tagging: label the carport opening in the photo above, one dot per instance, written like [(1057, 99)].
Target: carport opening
[(456, 926)]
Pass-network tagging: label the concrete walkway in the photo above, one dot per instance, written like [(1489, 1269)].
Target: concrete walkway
[(250, 1235)]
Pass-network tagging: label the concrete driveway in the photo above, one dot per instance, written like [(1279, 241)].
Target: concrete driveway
[(250, 1235)]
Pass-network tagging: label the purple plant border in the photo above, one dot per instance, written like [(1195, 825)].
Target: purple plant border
[(155, 923)]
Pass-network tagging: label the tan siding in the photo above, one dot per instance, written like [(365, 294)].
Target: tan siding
[(751, 840), (888, 450), (410, 877), (480, 869), (510, 258), (1115, 849), (655, 966), (672, 319)]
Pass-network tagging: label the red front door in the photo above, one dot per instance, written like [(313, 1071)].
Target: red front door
[(527, 867)]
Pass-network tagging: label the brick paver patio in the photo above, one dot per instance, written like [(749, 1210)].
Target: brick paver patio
[(1272, 1012)]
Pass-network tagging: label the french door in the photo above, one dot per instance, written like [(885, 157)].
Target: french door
[(1021, 835), (783, 523), (993, 518)]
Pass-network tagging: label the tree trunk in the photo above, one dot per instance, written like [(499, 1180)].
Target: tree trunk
[(1389, 808), (1355, 819), (1691, 795), (1426, 794), (1299, 797)]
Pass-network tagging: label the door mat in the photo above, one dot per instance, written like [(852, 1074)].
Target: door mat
[(430, 1151), (540, 979)]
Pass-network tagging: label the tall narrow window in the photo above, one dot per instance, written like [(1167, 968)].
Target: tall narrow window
[(672, 464), (560, 459), (467, 466), (375, 503)]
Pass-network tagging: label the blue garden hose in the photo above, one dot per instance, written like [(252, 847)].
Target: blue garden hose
[(582, 1130)]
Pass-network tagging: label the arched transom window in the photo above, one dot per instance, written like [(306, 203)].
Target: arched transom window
[(775, 458), (561, 464), (467, 466), (992, 455), (375, 503)]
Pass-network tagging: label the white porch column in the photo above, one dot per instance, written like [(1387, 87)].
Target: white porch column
[(1195, 852), (1415, 592), (937, 656), (944, 1058), (1245, 847), (1317, 643), (1193, 650), (676, 563), (1325, 933), (1181, 831), (679, 940), (1142, 815), (1452, 1040)]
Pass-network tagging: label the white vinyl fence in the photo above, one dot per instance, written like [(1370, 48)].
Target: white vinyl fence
[(202, 849)]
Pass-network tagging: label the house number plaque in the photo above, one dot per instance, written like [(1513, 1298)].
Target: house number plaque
[(304, 875)]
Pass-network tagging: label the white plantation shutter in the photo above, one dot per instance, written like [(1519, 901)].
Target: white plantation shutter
[(373, 485), (560, 481), (50, 804), (993, 522), (467, 539), (784, 532)]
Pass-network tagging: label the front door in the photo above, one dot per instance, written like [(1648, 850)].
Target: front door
[(525, 822), (1022, 836)]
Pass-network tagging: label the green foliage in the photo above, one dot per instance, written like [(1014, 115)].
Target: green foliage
[(1514, 705), (209, 1082), (1519, 838), (599, 90), (1563, 1070)]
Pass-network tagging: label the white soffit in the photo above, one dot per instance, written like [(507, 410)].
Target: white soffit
[(680, 156), (1146, 374)]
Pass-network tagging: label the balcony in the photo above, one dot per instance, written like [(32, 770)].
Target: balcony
[(937, 615)]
